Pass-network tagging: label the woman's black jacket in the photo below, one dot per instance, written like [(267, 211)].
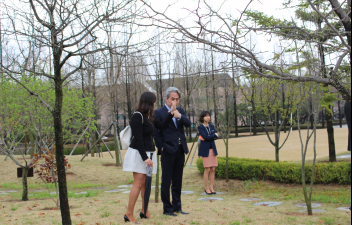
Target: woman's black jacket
[(142, 134)]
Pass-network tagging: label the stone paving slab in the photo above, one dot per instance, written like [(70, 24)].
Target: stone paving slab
[(126, 192), (217, 193), (344, 209), (81, 193), (268, 204), (126, 186), (96, 189), (187, 192), (4, 193), (116, 190), (37, 191), (344, 157), (11, 191), (314, 211), (210, 199), (304, 205), (249, 199)]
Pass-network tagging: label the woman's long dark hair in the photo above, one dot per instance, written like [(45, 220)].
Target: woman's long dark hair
[(146, 104)]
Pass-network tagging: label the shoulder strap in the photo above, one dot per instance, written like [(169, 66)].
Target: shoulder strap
[(141, 115)]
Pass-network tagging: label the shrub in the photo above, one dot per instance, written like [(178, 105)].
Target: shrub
[(283, 172)]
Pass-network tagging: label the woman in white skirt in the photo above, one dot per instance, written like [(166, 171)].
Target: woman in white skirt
[(137, 158)]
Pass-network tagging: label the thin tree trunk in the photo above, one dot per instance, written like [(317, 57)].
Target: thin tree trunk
[(24, 183), (234, 97), (254, 121), (160, 104), (283, 105), (92, 141), (25, 143), (214, 89), (117, 154), (331, 137), (277, 153), (31, 138), (227, 156), (60, 157), (340, 114), (303, 168), (157, 180)]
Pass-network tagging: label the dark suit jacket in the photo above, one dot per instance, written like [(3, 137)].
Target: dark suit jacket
[(168, 139), (143, 130), (209, 140)]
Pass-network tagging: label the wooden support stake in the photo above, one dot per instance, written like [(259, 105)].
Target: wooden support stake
[(85, 155)]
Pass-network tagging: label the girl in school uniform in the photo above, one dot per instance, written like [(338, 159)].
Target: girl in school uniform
[(207, 150)]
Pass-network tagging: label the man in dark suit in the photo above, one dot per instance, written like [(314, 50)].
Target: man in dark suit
[(172, 146)]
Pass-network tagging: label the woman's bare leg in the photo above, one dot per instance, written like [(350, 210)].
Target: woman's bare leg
[(139, 181), (206, 179), (212, 178)]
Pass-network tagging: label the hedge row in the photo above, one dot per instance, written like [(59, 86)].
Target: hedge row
[(283, 172), (82, 149)]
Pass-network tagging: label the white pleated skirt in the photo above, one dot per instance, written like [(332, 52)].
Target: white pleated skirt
[(134, 163)]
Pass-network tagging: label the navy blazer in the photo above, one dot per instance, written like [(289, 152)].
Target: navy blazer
[(209, 140), (168, 139)]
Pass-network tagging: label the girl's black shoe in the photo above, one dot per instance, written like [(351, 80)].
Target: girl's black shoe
[(143, 216), (207, 192), (127, 220)]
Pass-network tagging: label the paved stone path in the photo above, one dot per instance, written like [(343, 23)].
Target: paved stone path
[(249, 199), (344, 157), (314, 211), (116, 190), (268, 204), (304, 205), (344, 209), (96, 189), (126, 186), (81, 193), (210, 199)]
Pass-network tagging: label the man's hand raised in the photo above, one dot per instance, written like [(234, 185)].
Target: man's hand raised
[(177, 114)]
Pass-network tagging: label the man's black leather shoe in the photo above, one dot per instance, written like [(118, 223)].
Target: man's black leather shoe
[(182, 212), (170, 214)]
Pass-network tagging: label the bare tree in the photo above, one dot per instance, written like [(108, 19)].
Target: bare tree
[(63, 27), (229, 38)]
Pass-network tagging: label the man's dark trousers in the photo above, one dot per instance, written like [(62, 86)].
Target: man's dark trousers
[(174, 164)]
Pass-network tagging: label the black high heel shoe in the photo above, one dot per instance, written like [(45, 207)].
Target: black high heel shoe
[(127, 220), (143, 216)]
